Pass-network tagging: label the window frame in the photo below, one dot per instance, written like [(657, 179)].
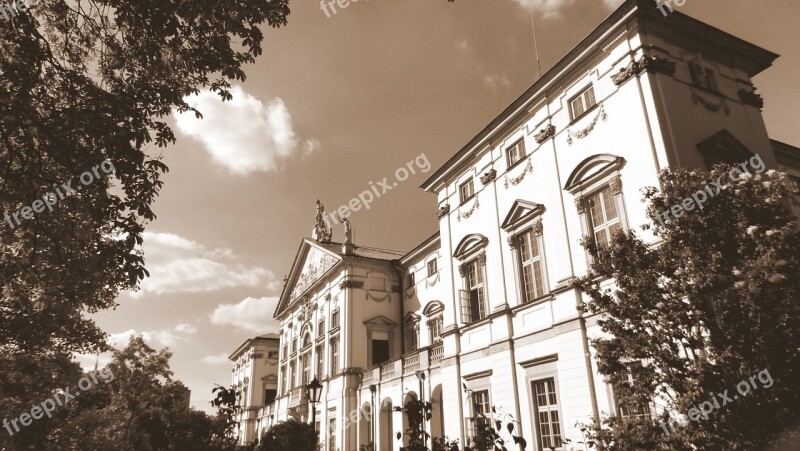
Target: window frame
[(646, 409), (550, 407), (536, 240), (335, 319), (478, 264), (432, 263), (333, 345), (461, 187), (703, 75), (608, 224), (410, 335), (582, 96), (411, 279), (517, 145)]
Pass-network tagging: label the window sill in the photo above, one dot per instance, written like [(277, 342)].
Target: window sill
[(576, 119), (517, 163), (466, 200)]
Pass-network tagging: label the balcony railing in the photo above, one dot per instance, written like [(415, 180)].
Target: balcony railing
[(411, 363), (437, 352), (405, 366), (296, 397)]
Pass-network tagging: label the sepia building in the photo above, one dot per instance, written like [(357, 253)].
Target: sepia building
[(255, 378), (481, 318)]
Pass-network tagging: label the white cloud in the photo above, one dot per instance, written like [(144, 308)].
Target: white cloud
[(548, 9), (310, 146), (251, 314), (244, 134), (219, 359), (463, 45), (612, 4), (155, 338), (179, 265), (495, 82)]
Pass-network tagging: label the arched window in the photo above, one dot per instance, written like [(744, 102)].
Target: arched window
[(474, 304), (597, 186)]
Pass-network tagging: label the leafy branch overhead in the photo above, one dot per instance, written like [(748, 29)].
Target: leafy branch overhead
[(81, 83)]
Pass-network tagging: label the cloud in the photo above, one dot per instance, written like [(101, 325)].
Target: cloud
[(463, 45), (156, 338), (612, 4), (310, 146), (244, 135), (494, 82), (548, 9), (180, 265), (251, 314), (219, 359)]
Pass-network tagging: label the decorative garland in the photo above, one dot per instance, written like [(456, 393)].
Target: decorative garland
[(410, 292), (469, 212), (377, 299), (714, 107), (432, 283), (580, 134), (517, 179)]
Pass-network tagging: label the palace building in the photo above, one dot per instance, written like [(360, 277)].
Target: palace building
[(480, 318)]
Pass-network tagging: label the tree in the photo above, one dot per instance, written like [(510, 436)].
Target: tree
[(87, 84), (291, 434), (417, 412), (711, 305)]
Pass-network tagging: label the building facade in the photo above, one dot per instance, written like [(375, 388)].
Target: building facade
[(481, 318), (255, 378)]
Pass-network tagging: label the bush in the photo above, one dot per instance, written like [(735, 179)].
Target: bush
[(289, 435)]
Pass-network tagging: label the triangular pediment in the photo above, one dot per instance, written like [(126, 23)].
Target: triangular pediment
[(270, 378), (521, 211), (311, 264), (380, 320), (723, 147)]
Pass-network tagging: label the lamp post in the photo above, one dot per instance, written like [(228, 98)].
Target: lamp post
[(421, 377), (313, 393)]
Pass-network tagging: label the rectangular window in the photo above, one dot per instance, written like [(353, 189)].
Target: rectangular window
[(332, 434), (306, 368), (515, 153), (272, 355), (532, 277), (582, 103), (603, 216), (285, 351), (334, 356), (411, 280), (436, 329), (283, 379), (473, 299), (292, 375), (294, 346), (481, 413), (269, 396), (380, 351), (432, 267), (321, 328), (548, 424), (702, 76), (629, 410), (411, 338), (335, 319), (467, 191), (320, 362)]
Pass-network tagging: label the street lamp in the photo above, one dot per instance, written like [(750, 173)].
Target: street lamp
[(421, 377), (313, 393)]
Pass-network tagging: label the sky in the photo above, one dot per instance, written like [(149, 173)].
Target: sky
[(336, 103)]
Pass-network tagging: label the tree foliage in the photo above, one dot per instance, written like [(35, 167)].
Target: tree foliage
[(712, 303), (291, 434), (82, 83)]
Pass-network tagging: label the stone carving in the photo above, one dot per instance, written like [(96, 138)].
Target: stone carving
[(469, 212), (580, 205), (516, 180), (512, 241), (711, 106), (537, 228), (488, 177), (580, 134), (545, 134), (321, 232), (615, 184), (443, 211), (648, 63), (349, 283), (751, 98)]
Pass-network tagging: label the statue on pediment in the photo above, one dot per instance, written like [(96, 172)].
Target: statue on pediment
[(321, 231)]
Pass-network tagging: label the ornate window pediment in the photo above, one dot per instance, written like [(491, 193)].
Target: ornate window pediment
[(593, 170), (469, 245), (380, 320), (723, 147), (521, 212), (433, 308)]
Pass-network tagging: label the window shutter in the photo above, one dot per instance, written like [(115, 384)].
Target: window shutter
[(466, 311)]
